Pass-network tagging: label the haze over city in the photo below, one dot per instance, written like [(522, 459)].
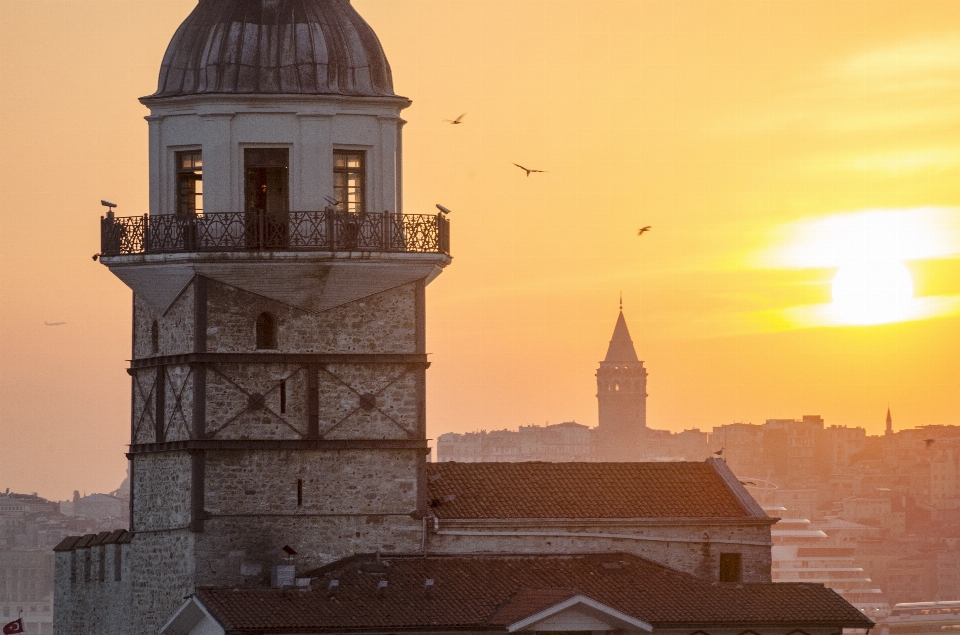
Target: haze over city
[(770, 147)]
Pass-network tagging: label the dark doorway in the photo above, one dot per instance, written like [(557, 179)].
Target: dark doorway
[(267, 196)]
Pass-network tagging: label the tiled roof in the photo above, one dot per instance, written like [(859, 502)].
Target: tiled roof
[(491, 592), (71, 543), (585, 490)]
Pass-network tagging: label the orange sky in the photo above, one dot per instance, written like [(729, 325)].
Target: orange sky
[(744, 132)]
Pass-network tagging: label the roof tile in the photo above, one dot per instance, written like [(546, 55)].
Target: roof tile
[(490, 592), (580, 490)]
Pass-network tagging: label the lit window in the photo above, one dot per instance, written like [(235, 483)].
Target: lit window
[(190, 183), (349, 174)]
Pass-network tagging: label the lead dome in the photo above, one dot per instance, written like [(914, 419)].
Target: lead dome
[(292, 47)]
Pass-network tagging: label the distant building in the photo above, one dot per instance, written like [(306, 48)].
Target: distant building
[(568, 441), (621, 398), (100, 507)]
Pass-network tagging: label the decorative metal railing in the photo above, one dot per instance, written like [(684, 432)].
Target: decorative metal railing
[(327, 230)]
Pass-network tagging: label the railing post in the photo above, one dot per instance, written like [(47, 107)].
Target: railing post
[(146, 233), (328, 221)]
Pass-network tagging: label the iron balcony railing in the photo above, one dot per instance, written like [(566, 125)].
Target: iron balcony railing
[(327, 230)]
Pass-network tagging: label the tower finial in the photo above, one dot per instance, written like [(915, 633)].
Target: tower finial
[(621, 300), (889, 429)]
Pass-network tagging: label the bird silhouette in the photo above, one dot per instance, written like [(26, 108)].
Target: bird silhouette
[(528, 170), (45, 323), (457, 121), (929, 442), (95, 257), (719, 452), (642, 230)]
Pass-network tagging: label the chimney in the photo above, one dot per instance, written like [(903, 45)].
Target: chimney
[(283, 575)]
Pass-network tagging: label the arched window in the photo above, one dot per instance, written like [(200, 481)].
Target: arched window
[(266, 331), (154, 338), (616, 387)]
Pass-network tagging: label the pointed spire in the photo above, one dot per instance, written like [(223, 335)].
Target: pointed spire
[(889, 421), (621, 346)]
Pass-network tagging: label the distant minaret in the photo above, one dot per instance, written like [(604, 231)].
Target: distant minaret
[(621, 397), (889, 422)]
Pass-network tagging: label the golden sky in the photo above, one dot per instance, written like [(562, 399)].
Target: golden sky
[(769, 143)]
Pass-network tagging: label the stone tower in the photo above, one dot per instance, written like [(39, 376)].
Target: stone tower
[(621, 397), (278, 364)]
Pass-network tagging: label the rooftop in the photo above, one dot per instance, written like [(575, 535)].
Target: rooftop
[(503, 592), (588, 490), (290, 47)]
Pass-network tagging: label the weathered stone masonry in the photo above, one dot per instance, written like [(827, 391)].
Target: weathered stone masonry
[(317, 443)]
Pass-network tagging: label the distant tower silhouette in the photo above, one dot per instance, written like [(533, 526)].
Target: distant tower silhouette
[(889, 422), (621, 397)]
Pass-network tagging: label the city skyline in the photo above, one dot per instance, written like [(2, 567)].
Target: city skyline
[(757, 140)]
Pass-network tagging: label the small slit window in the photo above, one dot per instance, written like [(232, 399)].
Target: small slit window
[(283, 396), (266, 331), (299, 492), (154, 338), (117, 562)]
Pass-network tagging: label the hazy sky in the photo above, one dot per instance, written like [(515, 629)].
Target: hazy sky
[(770, 144)]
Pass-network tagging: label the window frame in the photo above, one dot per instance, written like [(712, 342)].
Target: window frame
[(184, 176), (341, 193)]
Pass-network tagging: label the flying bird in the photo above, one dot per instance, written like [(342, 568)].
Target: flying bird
[(528, 170), (457, 121), (642, 230), (53, 323)]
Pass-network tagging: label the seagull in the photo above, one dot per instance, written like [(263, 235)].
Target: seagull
[(53, 323), (643, 230), (528, 170), (719, 452), (457, 121)]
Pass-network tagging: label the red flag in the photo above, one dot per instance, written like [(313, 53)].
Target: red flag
[(16, 626)]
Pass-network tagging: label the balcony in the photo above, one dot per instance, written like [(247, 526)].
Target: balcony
[(327, 231)]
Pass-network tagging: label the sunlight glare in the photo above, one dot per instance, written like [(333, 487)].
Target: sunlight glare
[(872, 291)]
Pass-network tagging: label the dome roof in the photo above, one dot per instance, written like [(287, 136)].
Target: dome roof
[(299, 47)]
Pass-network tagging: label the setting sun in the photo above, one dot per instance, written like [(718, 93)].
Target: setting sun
[(872, 291)]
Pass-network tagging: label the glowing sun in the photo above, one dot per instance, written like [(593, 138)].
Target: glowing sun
[(872, 291)]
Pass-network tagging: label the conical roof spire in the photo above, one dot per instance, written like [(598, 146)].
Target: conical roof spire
[(889, 422), (621, 346)]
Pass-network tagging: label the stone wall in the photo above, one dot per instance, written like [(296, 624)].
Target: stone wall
[(92, 587), (175, 327), (163, 573), (161, 486), (690, 546), (381, 323)]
